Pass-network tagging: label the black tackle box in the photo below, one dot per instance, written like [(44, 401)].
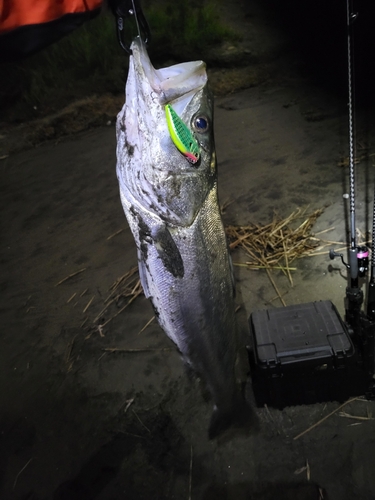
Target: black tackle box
[(302, 354)]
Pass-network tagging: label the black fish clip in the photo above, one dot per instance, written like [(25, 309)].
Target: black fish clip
[(124, 9)]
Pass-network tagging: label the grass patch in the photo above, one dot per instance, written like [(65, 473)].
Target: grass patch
[(89, 55), (186, 28)]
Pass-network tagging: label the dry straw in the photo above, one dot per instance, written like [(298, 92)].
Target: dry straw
[(126, 287), (277, 244)]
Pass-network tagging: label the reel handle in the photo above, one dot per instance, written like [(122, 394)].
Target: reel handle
[(333, 255), (358, 260)]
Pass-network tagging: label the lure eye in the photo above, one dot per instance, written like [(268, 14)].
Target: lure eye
[(192, 156), (200, 124)]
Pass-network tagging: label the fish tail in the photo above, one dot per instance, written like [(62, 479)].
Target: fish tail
[(239, 416)]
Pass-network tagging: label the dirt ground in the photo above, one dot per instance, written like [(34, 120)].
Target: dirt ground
[(109, 413)]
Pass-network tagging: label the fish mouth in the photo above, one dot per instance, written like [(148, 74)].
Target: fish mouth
[(177, 83)]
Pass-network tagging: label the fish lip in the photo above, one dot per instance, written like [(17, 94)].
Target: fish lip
[(173, 82)]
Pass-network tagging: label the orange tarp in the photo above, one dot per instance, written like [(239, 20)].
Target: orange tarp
[(17, 13)]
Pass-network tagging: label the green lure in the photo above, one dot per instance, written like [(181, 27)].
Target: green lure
[(181, 136)]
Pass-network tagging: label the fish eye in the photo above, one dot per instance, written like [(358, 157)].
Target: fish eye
[(200, 124)]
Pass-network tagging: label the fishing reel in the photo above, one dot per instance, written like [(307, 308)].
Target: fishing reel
[(358, 258), (357, 267)]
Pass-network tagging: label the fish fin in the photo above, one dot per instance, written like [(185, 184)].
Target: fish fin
[(168, 251), (232, 275), (231, 269), (143, 275), (240, 416)]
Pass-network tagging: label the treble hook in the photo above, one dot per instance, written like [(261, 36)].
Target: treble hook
[(125, 9)]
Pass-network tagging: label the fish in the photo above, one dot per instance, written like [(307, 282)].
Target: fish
[(167, 173)]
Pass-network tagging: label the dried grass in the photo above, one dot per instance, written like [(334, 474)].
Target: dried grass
[(277, 244), (70, 276), (325, 418), (126, 287)]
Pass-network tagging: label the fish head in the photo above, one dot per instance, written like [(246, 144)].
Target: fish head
[(166, 181)]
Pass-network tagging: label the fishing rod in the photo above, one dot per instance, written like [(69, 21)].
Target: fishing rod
[(368, 322), (371, 286), (358, 255)]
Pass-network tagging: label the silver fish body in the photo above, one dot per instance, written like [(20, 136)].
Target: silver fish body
[(173, 212)]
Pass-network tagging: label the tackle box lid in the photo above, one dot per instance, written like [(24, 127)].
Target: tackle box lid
[(313, 333)]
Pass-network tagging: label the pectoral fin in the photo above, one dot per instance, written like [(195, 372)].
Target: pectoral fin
[(143, 275), (168, 251)]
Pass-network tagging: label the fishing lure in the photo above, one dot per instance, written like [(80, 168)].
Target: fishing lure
[(181, 136)]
